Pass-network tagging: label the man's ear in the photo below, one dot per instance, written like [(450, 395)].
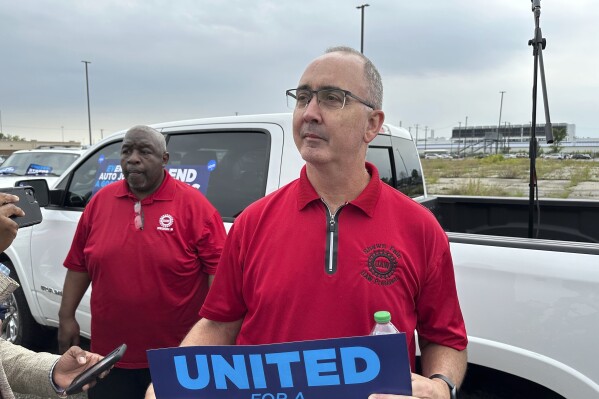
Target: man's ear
[(165, 158), (375, 122)]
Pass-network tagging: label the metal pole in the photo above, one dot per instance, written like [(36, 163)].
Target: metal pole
[(362, 30), (89, 120), (471, 144), (62, 132), (1, 121), (509, 133), (459, 137), (416, 135), (499, 124)]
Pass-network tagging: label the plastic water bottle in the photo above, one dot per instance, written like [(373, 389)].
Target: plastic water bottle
[(4, 269), (383, 324)]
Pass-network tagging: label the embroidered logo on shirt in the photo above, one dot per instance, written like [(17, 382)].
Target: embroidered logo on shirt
[(381, 264), (166, 221)]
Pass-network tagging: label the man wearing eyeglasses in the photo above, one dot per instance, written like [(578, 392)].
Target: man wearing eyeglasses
[(149, 244), (317, 258)]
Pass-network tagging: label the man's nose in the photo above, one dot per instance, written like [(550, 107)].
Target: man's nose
[(312, 110), (134, 157)]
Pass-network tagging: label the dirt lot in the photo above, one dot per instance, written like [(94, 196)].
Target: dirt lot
[(519, 187), (510, 177)]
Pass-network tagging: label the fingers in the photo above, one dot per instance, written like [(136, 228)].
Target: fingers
[(6, 198), (150, 392), (10, 209)]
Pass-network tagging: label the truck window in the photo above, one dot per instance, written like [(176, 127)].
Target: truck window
[(86, 182), (381, 158), (407, 166), (399, 166), (230, 168)]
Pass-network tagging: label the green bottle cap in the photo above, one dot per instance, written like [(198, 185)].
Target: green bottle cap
[(382, 316)]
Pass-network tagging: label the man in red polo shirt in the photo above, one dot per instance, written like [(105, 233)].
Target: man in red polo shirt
[(317, 258), (149, 245)]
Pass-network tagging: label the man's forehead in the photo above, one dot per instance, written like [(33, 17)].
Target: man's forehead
[(140, 138), (333, 70)]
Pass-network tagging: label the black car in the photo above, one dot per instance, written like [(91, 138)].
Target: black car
[(580, 156)]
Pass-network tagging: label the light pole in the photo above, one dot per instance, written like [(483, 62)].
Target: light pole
[(465, 132), (362, 30), (1, 121), (509, 132), (499, 124), (89, 120), (62, 132), (416, 136), (459, 136)]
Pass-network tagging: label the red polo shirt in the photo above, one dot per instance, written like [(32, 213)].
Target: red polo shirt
[(293, 275), (147, 285)]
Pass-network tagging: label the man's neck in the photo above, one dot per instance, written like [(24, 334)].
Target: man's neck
[(337, 186)]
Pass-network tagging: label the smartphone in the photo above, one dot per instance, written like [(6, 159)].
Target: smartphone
[(93, 372), (27, 202)]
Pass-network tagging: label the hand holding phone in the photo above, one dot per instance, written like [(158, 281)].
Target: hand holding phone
[(27, 202), (94, 372)]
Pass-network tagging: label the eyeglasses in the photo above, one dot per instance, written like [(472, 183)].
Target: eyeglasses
[(139, 216), (327, 98)]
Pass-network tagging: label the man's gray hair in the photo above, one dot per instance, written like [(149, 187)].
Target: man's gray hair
[(371, 74), (160, 140)]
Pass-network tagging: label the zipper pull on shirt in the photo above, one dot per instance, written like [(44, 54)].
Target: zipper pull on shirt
[(330, 264)]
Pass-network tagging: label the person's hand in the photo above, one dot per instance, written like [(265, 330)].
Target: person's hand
[(72, 363), (422, 388), (68, 334), (8, 227), (150, 392)]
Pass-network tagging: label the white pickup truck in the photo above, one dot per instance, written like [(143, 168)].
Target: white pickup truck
[(531, 305)]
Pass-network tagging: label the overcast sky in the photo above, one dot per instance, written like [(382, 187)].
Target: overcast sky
[(156, 61)]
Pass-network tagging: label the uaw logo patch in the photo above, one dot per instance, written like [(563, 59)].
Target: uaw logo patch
[(382, 263), (166, 222)]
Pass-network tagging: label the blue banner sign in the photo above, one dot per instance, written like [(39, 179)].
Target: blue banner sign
[(196, 176), (35, 169), (348, 368), (108, 172), (8, 169)]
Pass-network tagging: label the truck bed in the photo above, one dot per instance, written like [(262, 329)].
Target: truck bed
[(561, 220)]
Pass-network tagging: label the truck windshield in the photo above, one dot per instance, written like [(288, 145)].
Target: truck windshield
[(37, 163)]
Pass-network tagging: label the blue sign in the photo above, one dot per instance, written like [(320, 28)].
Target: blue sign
[(196, 176), (108, 172), (345, 368), (7, 169), (35, 169)]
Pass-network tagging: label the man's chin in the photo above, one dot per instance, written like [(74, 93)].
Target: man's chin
[(136, 182), (313, 156)]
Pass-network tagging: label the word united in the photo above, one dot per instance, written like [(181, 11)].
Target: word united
[(319, 367), (345, 367)]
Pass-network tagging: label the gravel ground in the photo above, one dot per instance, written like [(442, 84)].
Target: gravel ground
[(547, 188)]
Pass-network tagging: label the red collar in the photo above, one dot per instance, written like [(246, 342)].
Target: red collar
[(166, 191), (366, 201)]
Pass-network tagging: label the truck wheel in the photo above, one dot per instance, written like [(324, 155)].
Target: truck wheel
[(19, 326)]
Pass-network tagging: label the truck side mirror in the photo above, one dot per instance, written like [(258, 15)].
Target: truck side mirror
[(41, 191)]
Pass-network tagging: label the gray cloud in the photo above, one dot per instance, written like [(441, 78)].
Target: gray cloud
[(153, 61)]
